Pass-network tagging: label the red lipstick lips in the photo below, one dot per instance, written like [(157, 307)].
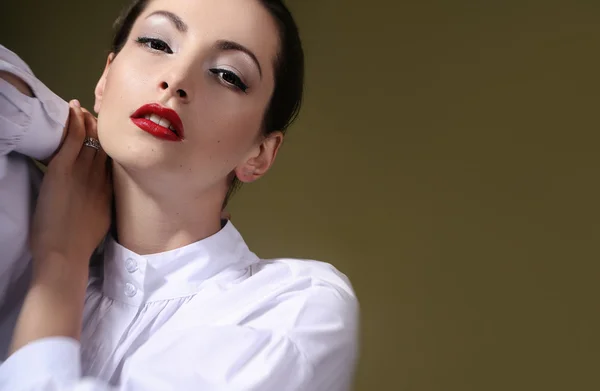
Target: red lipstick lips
[(159, 121)]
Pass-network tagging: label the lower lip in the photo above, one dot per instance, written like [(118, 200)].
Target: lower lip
[(155, 129)]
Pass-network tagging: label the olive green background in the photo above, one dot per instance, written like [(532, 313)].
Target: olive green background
[(445, 160)]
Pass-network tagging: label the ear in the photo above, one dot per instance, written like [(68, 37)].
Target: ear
[(261, 158), (99, 91)]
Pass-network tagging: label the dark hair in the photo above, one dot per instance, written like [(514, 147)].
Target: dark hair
[(289, 66)]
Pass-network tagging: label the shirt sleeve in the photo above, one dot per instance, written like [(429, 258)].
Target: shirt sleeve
[(50, 364), (29, 126)]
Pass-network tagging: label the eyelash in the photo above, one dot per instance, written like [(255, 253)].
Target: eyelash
[(161, 46), (155, 44), (235, 80)]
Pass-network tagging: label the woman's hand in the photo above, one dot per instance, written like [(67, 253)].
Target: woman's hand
[(71, 218), (74, 205)]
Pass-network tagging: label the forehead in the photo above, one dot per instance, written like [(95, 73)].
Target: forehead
[(246, 22)]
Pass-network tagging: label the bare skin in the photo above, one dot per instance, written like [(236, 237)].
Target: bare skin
[(76, 193)]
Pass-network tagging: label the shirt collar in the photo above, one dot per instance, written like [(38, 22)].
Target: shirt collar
[(136, 279)]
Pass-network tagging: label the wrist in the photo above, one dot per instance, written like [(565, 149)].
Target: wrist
[(61, 272), (54, 303), (48, 311)]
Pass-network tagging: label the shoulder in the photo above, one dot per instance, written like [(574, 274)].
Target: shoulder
[(315, 306), (310, 301), (303, 273), (307, 282)]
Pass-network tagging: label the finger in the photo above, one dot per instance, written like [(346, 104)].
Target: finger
[(109, 173), (101, 170), (75, 134), (109, 180), (87, 153), (104, 178), (100, 160)]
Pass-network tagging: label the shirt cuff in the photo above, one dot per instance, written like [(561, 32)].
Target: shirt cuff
[(53, 360), (40, 136), (43, 135)]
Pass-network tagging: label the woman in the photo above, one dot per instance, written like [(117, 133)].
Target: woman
[(194, 97)]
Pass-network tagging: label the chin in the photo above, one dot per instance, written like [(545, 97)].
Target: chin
[(136, 150)]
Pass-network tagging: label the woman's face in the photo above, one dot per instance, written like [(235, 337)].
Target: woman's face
[(211, 62)]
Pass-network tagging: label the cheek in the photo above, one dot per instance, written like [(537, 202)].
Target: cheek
[(125, 90), (228, 133), (124, 82), (224, 122), (124, 86), (215, 151)]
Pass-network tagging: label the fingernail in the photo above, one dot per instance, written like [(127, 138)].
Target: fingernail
[(76, 103)]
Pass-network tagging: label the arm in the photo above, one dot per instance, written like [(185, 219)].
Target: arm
[(71, 217), (32, 122), (75, 196)]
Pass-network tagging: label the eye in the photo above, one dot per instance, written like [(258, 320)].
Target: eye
[(230, 78), (155, 44)]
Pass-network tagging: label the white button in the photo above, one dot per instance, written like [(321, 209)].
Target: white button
[(130, 290), (131, 265)]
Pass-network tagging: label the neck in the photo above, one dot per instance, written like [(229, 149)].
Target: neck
[(149, 222)]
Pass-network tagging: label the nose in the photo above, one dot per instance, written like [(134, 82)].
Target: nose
[(173, 90), (178, 78)]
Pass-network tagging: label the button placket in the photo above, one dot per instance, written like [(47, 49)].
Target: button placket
[(131, 265), (132, 271), (130, 290)]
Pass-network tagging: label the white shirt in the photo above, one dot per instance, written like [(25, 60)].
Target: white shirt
[(207, 316)]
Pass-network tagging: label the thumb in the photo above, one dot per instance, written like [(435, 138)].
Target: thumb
[(73, 143)]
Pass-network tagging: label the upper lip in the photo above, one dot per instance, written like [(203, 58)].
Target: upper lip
[(166, 113)]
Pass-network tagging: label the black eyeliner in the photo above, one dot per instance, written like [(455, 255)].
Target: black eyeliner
[(240, 84), (146, 40)]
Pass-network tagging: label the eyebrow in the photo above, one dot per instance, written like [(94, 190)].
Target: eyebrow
[(176, 20), (225, 45)]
